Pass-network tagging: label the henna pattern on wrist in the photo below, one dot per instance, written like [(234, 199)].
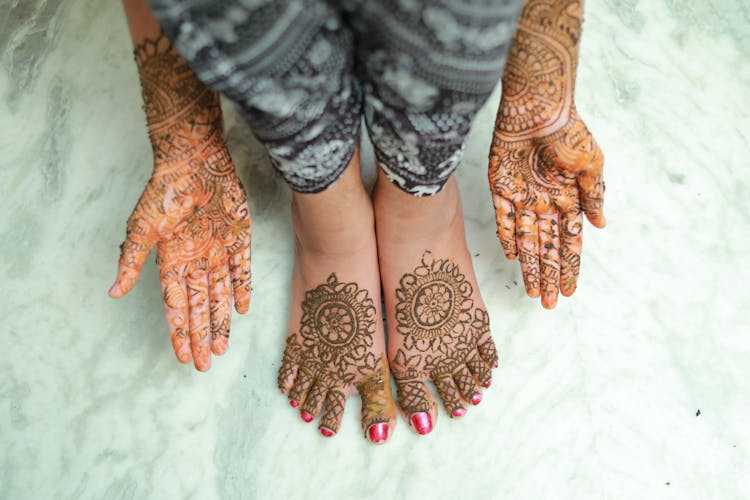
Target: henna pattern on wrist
[(183, 115), (545, 168), (445, 338), (333, 351)]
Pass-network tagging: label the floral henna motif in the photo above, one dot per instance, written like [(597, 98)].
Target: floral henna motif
[(194, 209), (545, 168), (445, 338), (333, 352)]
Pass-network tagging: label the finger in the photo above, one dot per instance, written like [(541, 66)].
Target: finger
[(239, 268), (219, 294), (505, 218), (200, 318), (527, 239), (133, 253), (549, 253), (238, 241), (176, 312), (591, 187), (571, 233)]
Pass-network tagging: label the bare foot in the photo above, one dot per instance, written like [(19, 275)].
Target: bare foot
[(336, 346), (438, 328)]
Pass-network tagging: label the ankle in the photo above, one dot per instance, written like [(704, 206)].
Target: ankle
[(414, 217), (339, 220)]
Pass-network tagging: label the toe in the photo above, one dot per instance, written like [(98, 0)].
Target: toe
[(480, 369), (467, 386), (417, 405), (378, 415), (289, 365), (485, 345), (330, 422), (450, 396), (298, 393), (314, 402), (488, 352)]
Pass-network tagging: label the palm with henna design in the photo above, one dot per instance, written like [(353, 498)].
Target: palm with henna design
[(194, 209), (545, 168)]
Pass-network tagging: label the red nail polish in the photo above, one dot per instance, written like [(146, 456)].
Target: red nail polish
[(378, 432), (476, 399), (459, 412), (495, 364), (306, 416), (422, 422), (293, 403), (488, 383), (326, 432)]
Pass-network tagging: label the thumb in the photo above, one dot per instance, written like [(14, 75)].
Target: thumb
[(133, 253)]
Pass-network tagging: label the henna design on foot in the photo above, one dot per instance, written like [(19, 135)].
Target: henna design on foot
[(333, 352), (445, 338)]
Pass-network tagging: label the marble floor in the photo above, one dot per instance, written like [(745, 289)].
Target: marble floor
[(638, 387)]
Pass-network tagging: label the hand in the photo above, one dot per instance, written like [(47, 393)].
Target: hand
[(199, 221), (540, 187), (194, 209)]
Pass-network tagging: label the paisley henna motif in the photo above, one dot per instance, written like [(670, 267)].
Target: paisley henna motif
[(194, 209), (545, 168)]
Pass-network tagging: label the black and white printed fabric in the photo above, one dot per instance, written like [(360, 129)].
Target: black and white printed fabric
[(303, 72)]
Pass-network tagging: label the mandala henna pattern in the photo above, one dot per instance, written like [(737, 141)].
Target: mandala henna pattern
[(333, 351), (545, 168), (193, 209), (445, 338)]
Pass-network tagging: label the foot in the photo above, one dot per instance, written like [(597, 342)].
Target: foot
[(438, 328), (336, 345)]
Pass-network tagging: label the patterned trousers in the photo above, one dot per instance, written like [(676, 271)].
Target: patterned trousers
[(304, 72)]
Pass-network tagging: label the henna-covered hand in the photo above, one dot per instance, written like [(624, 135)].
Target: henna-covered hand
[(545, 168), (194, 209)]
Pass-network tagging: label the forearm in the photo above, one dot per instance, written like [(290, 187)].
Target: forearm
[(539, 79), (183, 115)]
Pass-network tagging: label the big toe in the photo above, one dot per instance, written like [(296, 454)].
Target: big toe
[(417, 404), (378, 411)]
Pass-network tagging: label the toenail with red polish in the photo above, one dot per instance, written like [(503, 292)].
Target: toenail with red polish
[(422, 422), (306, 416), (488, 384), (476, 399), (293, 403), (326, 432), (459, 412), (378, 432)]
